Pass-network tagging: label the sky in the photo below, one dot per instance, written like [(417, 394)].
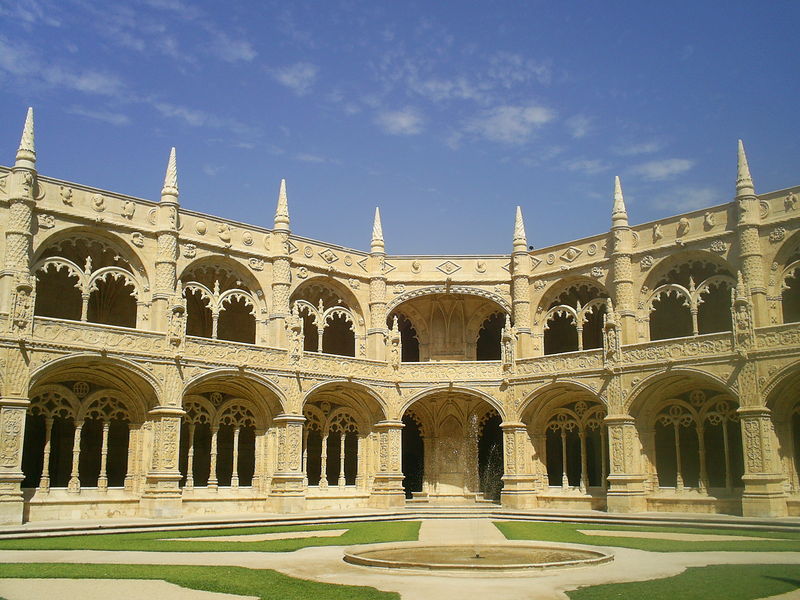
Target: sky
[(446, 115)]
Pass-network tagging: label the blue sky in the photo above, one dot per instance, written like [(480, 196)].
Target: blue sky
[(445, 114)]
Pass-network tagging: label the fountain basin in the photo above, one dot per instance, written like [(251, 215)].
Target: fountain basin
[(467, 557)]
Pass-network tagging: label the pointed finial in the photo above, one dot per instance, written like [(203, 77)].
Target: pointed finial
[(169, 192), (741, 288), (744, 183), (282, 211), (520, 242), (26, 153), (377, 233), (395, 325), (619, 215)]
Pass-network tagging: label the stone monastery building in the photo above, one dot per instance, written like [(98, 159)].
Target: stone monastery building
[(155, 361)]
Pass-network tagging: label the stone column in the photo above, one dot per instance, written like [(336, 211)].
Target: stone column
[(162, 494), (387, 487), (12, 432), (287, 493), (764, 494), (626, 493), (519, 486), (281, 271), (167, 248), (520, 288), (621, 244)]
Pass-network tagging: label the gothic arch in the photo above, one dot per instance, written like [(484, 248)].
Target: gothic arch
[(242, 383), (365, 399), (441, 389), (674, 260), (455, 289), (673, 382), (348, 297), (546, 397)]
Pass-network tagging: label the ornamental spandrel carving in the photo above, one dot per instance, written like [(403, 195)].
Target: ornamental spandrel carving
[(383, 452), (657, 351), (510, 447), (752, 441), (170, 439), (294, 440), (615, 432), (559, 364)]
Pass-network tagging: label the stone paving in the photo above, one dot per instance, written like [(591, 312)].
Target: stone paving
[(325, 564)]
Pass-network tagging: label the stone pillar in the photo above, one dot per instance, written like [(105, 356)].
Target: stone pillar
[(281, 271), (520, 288), (12, 433), (519, 486), (764, 494), (749, 242), (387, 487), (167, 249), (162, 494), (287, 493), (621, 244), (626, 492)]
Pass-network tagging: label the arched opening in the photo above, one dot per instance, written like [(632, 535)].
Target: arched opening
[(790, 290), (490, 456), (58, 293), (408, 339), (220, 303), (574, 318), (329, 320), (488, 345), (413, 460), (86, 278), (691, 298)]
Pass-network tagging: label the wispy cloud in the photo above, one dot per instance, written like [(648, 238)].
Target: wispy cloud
[(310, 158), (638, 148), (299, 77), (685, 198), (114, 118), (231, 49), (406, 121), (199, 118), (659, 170), (578, 125), (587, 166), (510, 124)]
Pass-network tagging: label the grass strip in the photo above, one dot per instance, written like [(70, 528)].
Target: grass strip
[(732, 582), (261, 583), (154, 541), (568, 532)]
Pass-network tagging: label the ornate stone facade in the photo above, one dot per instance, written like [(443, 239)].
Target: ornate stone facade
[(158, 361)]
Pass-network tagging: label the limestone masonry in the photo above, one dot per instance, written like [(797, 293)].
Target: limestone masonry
[(155, 361)]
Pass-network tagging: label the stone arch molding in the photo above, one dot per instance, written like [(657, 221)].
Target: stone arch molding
[(573, 385), (325, 386), (222, 373), (444, 289), (638, 393), (498, 406)]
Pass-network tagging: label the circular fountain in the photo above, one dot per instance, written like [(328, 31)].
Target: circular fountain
[(505, 557)]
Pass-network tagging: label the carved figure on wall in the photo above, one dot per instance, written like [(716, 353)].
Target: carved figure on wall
[(395, 348), (294, 328), (23, 306), (128, 209), (708, 220), (611, 339), (177, 325), (683, 226), (507, 338), (742, 315), (657, 233), (224, 233), (790, 202)]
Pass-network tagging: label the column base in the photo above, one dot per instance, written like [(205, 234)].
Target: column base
[(162, 498), (519, 491), (626, 494), (387, 492), (11, 509), (287, 493), (764, 496)]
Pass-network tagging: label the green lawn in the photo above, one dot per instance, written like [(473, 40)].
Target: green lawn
[(357, 533), (568, 532), (262, 583), (731, 582)]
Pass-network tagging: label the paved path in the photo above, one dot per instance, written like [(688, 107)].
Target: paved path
[(325, 564)]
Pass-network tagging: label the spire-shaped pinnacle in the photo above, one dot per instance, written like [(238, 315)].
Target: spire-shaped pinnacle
[(170, 190), (744, 183), (619, 215), (520, 242), (26, 153), (741, 288), (282, 211), (377, 233)]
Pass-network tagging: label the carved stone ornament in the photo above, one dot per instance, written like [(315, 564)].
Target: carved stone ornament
[(151, 216), (137, 239), (66, 195), (399, 288), (646, 262), (256, 264), (247, 238), (763, 209), (448, 267), (539, 284), (597, 272), (591, 250), (224, 233), (790, 202), (128, 209), (571, 253), (480, 266), (302, 272), (354, 283), (551, 258), (81, 389), (46, 221), (189, 250), (658, 235), (97, 202), (416, 266), (200, 227), (683, 226), (777, 235), (308, 252), (329, 256), (708, 221), (348, 260), (719, 246)]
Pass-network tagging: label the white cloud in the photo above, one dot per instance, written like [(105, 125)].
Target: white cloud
[(578, 126), (310, 158), (400, 122), (658, 170), (200, 118), (681, 199), (212, 170), (298, 77), (113, 118), (231, 49), (636, 149), (510, 124), (509, 69), (587, 166)]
